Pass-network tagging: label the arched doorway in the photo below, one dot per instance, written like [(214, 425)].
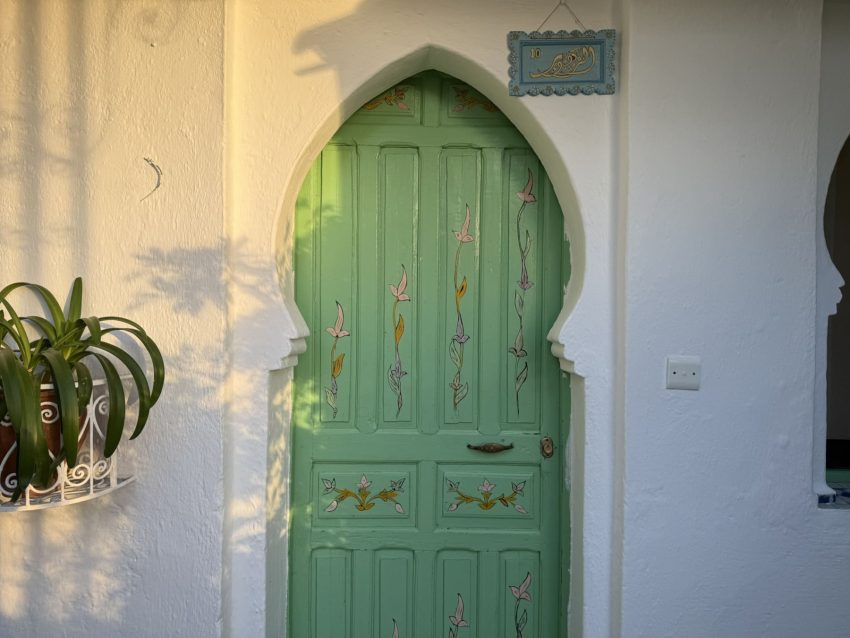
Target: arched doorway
[(836, 222), (429, 265)]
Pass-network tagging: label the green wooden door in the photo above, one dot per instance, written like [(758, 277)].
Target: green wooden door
[(430, 263)]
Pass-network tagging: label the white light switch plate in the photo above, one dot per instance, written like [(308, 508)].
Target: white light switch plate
[(683, 372)]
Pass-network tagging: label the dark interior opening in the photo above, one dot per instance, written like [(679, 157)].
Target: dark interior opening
[(836, 222)]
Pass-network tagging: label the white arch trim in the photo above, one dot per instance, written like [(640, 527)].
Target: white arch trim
[(270, 336)]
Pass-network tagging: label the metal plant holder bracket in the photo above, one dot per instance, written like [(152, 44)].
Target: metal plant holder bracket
[(92, 476)]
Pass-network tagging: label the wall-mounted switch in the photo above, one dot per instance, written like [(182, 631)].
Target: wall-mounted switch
[(683, 372)]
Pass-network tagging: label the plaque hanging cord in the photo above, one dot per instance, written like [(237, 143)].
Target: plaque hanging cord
[(562, 3)]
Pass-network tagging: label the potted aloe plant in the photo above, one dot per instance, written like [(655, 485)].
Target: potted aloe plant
[(52, 355)]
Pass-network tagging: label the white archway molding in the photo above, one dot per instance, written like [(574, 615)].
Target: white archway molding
[(436, 57), (270, 154)]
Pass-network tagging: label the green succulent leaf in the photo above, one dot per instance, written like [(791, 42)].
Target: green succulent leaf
[(139, 380), (19, 333), (75, 304), (23, 404), (69, 408), (153, 352), (43, 326), (45, 296), (93, 325), (84, 384), (115, 421)]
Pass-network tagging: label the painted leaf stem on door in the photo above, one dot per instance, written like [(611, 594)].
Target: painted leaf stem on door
[(521, 593), (396, 372), (457, 621), (364, 499), (459, 387), (526, 196), (337, 332)]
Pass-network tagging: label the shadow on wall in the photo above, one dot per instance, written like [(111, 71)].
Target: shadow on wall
[(71, 570)]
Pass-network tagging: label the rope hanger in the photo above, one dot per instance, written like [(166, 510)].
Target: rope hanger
[(562, 3)]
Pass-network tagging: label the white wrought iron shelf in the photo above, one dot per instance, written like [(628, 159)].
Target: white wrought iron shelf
[(93, 476)]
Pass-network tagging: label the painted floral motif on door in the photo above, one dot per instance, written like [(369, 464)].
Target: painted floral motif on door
[(521, 594), (459, 387), (363, 498), (337, 332), (487, 501), (457, 621), (526, 196), (394, 98), (396, 372)]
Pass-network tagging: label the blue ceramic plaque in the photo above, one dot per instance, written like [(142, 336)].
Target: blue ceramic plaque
[(563, 63)]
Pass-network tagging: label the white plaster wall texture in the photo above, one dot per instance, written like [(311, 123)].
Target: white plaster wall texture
[(87, 91), (689, 200), (722, 536)]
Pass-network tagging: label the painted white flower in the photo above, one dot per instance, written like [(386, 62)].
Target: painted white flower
[(486, 487), (457, 620), (364, 483), (398, 291), (453, 507), (330, 485), (521, 592), (520, 509), (397, 486), (332, 506), (336, 330), (518, 487), (399, 508), (452, 486)]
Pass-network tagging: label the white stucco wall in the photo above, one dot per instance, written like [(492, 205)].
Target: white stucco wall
[(87, 90), (722, 536), (690, 202)]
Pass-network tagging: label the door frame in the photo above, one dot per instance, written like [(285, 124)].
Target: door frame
[(277, 394)]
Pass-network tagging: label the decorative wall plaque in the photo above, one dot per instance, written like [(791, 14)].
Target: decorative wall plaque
[(563, 62)]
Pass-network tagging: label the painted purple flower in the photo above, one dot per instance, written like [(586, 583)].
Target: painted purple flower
[(398, 292), (521, 592), (336, 330), (486, 487), (525, 195), (463, 235), (364, 483), (460, 335)]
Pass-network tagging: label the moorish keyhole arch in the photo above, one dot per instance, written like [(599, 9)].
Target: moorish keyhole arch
[(836, 223)]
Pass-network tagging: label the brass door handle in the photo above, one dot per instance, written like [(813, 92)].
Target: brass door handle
[(490, 448)]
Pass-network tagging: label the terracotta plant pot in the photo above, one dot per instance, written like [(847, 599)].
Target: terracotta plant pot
[(51, 425)]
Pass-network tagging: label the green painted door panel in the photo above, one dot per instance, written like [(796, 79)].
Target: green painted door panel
[(429, 265)]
